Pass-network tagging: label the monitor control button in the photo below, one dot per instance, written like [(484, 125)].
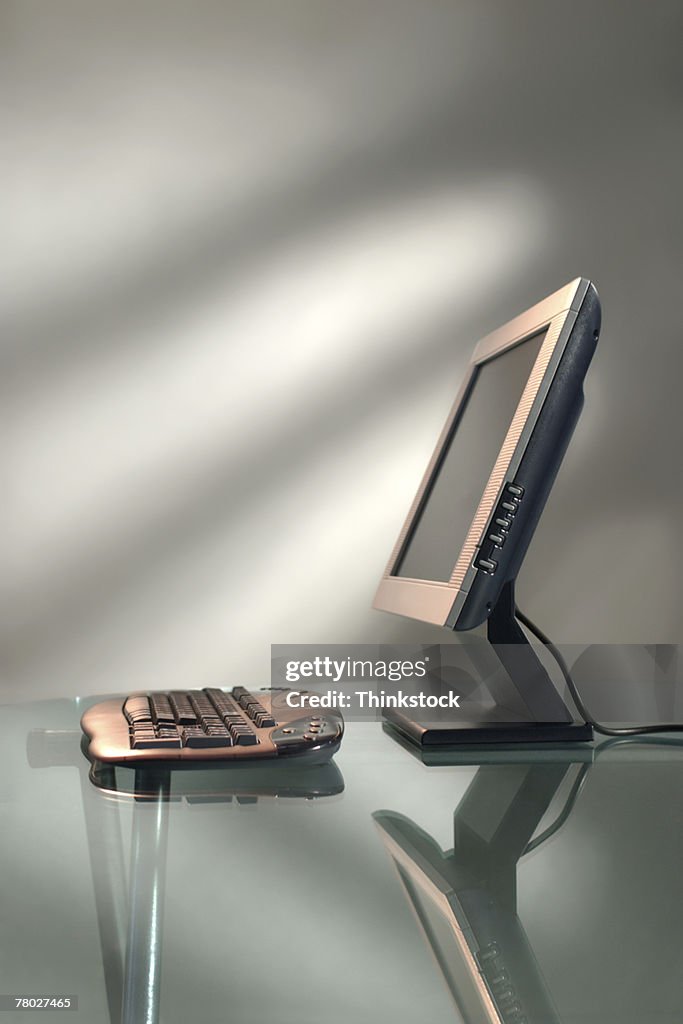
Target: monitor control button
[(504, 523), (510, 507), (515, 490), (487, 564), (497, 538), (489, 952)]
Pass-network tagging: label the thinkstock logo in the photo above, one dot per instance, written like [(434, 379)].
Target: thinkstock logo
[(352, 669)]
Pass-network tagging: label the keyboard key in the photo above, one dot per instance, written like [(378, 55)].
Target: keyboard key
[(136, 709), (254, 708), (140, 732), (246, 739), (243, 735), (200, 702), (212, 719), (218, 698), (206, 712), (146, 742), (161, 708), (196, 738), (183, 711)]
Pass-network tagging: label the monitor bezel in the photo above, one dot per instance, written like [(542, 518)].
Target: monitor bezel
[(440, 602)]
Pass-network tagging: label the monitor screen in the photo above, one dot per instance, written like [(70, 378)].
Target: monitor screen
[(458, 482)]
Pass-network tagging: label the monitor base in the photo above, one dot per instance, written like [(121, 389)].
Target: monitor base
[(527, 709), (455, 734)]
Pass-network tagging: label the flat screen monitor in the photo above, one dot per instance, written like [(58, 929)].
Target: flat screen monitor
[(493, 466)]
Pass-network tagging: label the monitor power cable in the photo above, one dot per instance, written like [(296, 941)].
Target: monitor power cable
[(638, 730)]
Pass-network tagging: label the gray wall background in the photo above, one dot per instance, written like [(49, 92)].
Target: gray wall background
[(248, 249)]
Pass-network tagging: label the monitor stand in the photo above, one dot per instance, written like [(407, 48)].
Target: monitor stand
[(527, 708)]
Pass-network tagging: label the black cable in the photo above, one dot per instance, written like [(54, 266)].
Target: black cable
[(577, 786), (638, 730)]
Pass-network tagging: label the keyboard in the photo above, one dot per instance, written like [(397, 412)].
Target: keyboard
[(209, 725)]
